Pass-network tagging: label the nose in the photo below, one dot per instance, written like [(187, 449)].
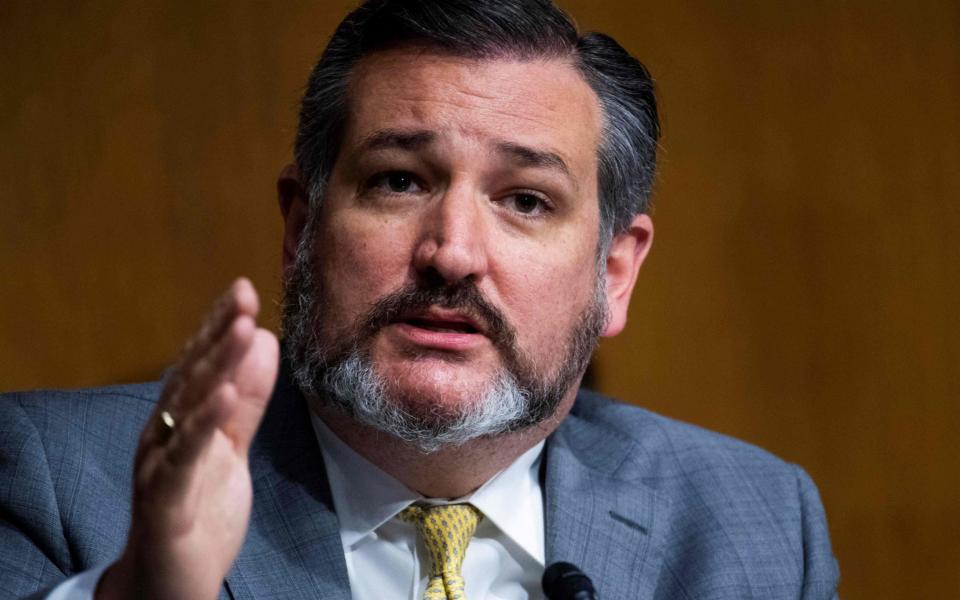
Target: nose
[(453, 245)]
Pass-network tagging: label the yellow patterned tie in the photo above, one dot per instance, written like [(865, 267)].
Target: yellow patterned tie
[(446, 531)]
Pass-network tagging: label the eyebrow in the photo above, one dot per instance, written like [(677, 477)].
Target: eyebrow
[(531, 157), (395, 138), (412, 141)]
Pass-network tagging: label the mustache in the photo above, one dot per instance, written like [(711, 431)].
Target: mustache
[(462, 296)]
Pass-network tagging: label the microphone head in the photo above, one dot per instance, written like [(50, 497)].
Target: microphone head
[(563, 581)]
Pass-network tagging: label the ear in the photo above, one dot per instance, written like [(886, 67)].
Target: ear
[(294, 209), (627, 252)]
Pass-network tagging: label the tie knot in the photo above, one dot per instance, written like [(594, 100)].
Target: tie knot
[(446, 531)]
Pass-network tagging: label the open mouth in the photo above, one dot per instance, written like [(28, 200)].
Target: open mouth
[(442, 326)]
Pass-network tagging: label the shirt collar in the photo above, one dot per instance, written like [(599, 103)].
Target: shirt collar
[(513, 501), (365, 497)]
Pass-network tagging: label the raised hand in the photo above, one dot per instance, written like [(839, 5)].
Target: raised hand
[(192, 490)]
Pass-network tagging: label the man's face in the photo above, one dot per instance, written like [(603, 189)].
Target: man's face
[(458, 234)]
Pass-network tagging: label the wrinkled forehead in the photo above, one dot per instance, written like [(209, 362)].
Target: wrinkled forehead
[(541, 102)]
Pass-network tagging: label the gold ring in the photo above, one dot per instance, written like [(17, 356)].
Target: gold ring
[(165, 426)]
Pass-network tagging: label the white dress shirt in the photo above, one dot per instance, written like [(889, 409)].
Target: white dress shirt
[(504, 561)]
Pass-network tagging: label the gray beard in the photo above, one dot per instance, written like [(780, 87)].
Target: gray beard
[(353, 387), (341, 375)]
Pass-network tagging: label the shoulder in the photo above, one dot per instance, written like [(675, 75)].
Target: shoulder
[(109, 417), (54, 410), (65, 462), (672, 450), (93, 428), (106, 416), (734, 508), (46, 400)]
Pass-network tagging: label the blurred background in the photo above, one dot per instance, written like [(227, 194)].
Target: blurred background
[(802, 291)]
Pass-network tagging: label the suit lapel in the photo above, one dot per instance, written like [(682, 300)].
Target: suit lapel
[(293, 547), (599, 515)]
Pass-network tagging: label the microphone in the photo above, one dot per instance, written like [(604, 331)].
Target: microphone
[(563, 581)]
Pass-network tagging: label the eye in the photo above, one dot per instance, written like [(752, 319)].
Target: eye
[(395, 182), (527, 204)]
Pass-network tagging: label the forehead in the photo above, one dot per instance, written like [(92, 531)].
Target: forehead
[(543, 103)]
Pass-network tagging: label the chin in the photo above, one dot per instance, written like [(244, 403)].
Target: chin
[(429, 388)]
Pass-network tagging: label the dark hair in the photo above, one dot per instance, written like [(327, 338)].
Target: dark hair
[(489, 29)]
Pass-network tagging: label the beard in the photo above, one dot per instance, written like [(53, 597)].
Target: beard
[(335, 368)]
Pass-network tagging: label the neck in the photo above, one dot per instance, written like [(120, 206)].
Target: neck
[(451, 472)]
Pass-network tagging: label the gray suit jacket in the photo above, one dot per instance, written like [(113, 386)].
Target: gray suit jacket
[(646, 506)]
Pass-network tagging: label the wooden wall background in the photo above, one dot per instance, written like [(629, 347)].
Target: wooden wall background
[(801, 294)]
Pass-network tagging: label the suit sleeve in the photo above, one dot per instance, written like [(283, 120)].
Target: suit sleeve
[(821, 572), (34, 555)]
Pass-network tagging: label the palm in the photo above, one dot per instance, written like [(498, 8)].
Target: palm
[(192, 491), (216, 507)]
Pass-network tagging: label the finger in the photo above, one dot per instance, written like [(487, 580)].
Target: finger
[(255, 377), (193, 434), (217, 366), (166, 467), (239, 299), (155, 433), (166, 473)]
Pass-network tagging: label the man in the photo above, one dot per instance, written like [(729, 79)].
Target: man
[(467, 214)]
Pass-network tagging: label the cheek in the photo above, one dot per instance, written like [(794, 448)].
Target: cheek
[(361, 262), (546, 298)]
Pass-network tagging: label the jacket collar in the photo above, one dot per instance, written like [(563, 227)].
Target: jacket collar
[(600, 516)]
